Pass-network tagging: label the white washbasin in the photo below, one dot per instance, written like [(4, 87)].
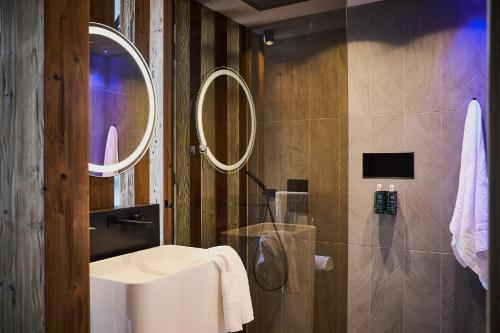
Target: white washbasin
[(164, 289)]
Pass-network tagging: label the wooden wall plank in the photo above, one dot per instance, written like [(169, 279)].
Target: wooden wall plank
[(233, 126), (207, 171), (244, 123), (156, 149), (142, 42), (102, 11), (21, 166), (101, 192), (195, 159), (221, 184), (182, 138), (168, 71), (66, 166)]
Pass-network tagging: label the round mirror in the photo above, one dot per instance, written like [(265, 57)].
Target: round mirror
[(122, 103), (230, 74)]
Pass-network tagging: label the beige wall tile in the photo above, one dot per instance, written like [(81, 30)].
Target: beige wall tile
[(423, 55), (423, 194), (358, 289), (422, 299), (388, 134), (453, 128), (386, 290), (387, 57)]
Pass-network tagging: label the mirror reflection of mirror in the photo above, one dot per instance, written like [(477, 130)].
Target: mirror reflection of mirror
[(118, 103)]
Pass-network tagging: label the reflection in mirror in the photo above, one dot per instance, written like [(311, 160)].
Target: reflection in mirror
[(119, 105)]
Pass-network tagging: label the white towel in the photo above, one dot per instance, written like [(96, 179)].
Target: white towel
[(469, 224), (323, 263), (111, 152), (236, 301), (270, 261)]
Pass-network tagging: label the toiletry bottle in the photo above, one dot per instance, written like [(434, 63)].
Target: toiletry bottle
[(392, 201), (379, 200)]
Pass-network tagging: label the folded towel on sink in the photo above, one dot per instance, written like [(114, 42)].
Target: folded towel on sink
[(236, 301)]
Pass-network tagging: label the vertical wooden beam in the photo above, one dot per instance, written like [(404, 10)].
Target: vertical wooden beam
[(142, 36), (66, 166), (102, 11), (21, 166), (221, 87), (207, 171), (155, 173), (168, 71), (233, 127), (195, 161), (101, 192), (493, 321), (182, 137), (244, 130)]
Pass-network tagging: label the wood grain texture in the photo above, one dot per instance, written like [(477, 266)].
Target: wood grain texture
[(168, 72), (102, 11), (21, 166), (182, 109), (494, 167), (233, 127), (220, 87), (155, 173), (66, 166), (208, 213), (101, 193), (142, 42), (195, 159)]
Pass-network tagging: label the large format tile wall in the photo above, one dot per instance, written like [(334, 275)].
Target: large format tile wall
[(413, 67), (302, 134)]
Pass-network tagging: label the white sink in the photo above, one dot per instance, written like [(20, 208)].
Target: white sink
[(164, 289)]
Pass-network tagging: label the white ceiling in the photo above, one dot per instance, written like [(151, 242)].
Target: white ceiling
[(246, 15)]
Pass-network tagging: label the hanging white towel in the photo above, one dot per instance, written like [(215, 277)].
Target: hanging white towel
[(111, 152), (236, 301), (469, 224)]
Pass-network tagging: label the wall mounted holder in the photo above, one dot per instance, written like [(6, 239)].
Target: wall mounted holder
[(389, 165)]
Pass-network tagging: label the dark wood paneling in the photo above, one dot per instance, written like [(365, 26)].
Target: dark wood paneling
[(244, 123), (102, 11), (66, 166), (182, 139), (168, 28), (101, 193), (141, 170), (494, 159), (21, 167), (195, 161), (221, 185), (208, 47), (233, 126)]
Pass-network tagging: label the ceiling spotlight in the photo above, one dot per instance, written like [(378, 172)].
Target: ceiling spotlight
[(269, 37)]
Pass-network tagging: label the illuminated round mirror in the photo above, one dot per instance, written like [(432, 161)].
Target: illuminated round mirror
[(230, 74), (122, 105)]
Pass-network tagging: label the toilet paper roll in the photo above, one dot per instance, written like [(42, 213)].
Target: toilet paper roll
[(323, 263)]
